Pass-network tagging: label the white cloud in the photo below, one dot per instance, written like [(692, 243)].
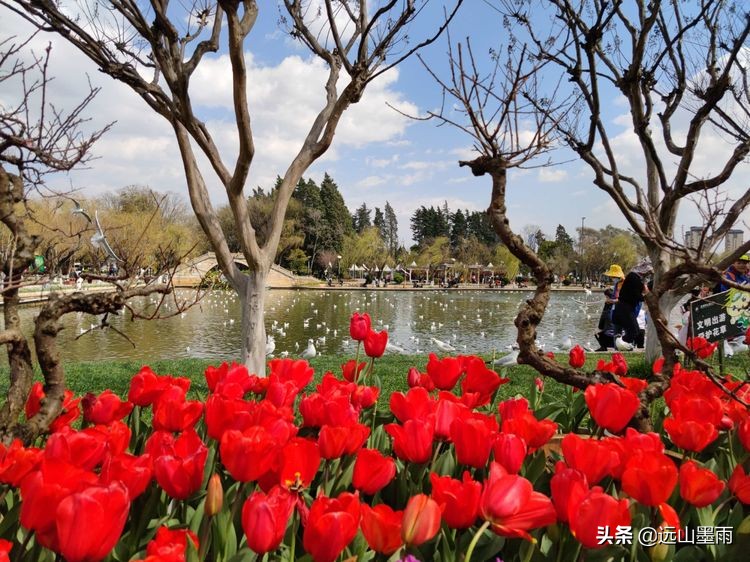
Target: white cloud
[(370, 181), (552, 175)]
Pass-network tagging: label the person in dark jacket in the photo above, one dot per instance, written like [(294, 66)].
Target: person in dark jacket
[(630, 300)]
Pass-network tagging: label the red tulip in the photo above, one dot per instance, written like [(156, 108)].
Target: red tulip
[(350, 370), (105, 408), (172, 412), (17, 461), (414, 405), (336, 441), (90, 522), (68, 414), (170, 545), (76, 447), (510, 503), (569, 486), (699, 486), (649, 478), (519, 420), (375, 343), (577, 357), (458, 499), (223, 414), (249, 454), (365, 397), (421, 520), (295, 370), (134, 472), (413, 377), (594, 458), (412, 441), (299, 462), (448, 410), (743, 432), (510, 451), (444, 372), (701, 347), (231, 381), (621, 366), (381, 527), (690, 435), (178, 463), (611, 405), (5, 548), (372, 471), (480, 380), (472, 437), (596, 510), (739, 484), (146, 386), (331, 525), (43, 489), (265, 517), (359, 326)]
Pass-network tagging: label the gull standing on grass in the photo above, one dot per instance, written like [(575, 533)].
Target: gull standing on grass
[(310, 352)]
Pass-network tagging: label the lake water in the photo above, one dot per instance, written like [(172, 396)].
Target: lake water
[(472, 321)]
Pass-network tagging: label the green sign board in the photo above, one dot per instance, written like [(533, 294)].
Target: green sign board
[(721, 316)]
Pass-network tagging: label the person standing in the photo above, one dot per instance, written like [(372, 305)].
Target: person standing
[(630, 299), (737, 273)]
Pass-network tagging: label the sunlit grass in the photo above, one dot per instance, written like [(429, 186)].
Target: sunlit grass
[(96, 376)]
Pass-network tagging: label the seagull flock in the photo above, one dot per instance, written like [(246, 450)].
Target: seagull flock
[(313, 323)]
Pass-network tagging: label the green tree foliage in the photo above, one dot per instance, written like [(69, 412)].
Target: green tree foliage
[(459, 228), (379, 222), (391, 229), (361, 219), (337, 221), (366, 248)]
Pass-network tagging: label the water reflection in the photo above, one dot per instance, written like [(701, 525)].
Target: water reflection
[(471, 321)]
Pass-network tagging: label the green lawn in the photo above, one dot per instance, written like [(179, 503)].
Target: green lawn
[(392, 369)]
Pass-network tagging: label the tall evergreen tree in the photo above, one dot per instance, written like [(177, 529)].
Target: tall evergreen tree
[(361, 218), (336, 219), (459, 228), (564, 241), (379, 222), (391, 228)]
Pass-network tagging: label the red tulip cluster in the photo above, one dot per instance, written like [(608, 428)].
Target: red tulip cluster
[(318, 463)]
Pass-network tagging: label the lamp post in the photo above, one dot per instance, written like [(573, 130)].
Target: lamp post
[(339, 265)]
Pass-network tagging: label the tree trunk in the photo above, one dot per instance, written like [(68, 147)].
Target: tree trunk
[(252, 301)]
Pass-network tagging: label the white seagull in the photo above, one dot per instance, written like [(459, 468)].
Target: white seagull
[(442, 346), (78, 210), (270, 345), (567, 343), (622, 345), (100, 241), (507, 360), (310, 351)]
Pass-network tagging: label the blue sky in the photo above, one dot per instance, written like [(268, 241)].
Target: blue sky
[(377, 154)]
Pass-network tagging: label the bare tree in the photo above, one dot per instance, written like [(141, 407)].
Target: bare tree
[(37, 139), (358, 41), (508, 133), (682, 70)]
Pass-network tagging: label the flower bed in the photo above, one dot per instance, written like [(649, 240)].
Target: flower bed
[(264, 467)]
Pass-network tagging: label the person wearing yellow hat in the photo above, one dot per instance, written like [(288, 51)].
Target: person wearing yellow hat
[(616, 273), (737, 273)]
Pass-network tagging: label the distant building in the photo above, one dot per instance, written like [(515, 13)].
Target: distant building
[(693, 236), (733, 240)]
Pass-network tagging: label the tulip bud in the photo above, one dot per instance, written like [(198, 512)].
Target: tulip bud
[(214, 496), (659, 553), (421, 520)]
